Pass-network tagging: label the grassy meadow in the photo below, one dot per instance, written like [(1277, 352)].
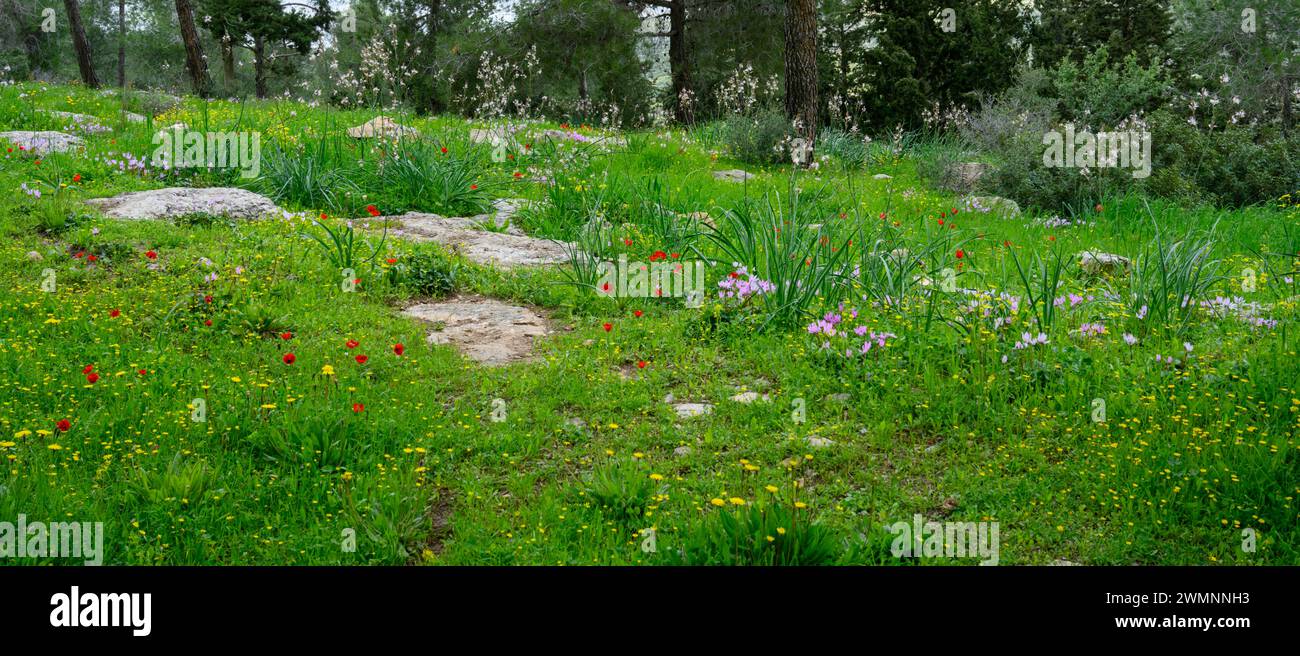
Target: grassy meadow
[(916, 355)]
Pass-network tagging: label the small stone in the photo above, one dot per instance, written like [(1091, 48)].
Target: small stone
[(1061, 562), (733, 175), (749, 397), (682, 451), (576, 422), (34, 256), (688, 410), (818, 442), (669, 398), (883, 176)]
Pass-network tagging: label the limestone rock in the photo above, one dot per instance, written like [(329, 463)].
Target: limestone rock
[(384, 127), (1097, 263), (688, 410), (481, 246), (175, 202), (41, 141), (733, 175), (486, 330), (995, 205)]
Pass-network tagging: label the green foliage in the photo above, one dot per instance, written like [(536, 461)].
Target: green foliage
[(621, 490), (426, 274), (759, 138), (1233, 166), (771, 535), (1100, 95)]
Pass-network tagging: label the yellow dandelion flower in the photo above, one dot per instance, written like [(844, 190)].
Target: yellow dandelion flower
[(718, 502)]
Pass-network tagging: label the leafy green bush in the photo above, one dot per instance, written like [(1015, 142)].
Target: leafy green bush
[(426, 274), (1098, 93), (1234, 166), (758, 138)]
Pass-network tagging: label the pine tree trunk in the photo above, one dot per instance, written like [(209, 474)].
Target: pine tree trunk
[(227, 64), (259, 66), (679, 60), (79, 44), (121, 43), (194, 60), (801, 66)]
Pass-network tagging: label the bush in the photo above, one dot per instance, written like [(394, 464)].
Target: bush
[(426, 274), (1100, 94), (759, 138), (1238, 165)]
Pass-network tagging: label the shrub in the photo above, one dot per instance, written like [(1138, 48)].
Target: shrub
[(426, 274), (1234, 166), (1099, 93), (758, 138)]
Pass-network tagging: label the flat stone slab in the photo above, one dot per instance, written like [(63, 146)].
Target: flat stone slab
[(733, 175), (175, 202), (42, 141), (483, 329), (481, 246), (688, 410)]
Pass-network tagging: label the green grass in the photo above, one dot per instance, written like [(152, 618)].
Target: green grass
[(949, 419)]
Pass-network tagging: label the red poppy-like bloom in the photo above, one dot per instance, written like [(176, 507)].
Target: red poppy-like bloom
[(518, 174), (627, 242), (637, 314), (361, 359), (115, 313), (207, 322), (92, 378), (641, 364), (63, 425), (289, 358), (143, 372), (399, 348), (324, 216), (352, 343), (372, 210), (960, 253), (151, 255), (357, 407), (286, 336), (444, 150), (391, 260), (473, 186), (605, 288), (88, 368), (658, 255), (608, 327), (92, 258), (76, 178), (207, 298)]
